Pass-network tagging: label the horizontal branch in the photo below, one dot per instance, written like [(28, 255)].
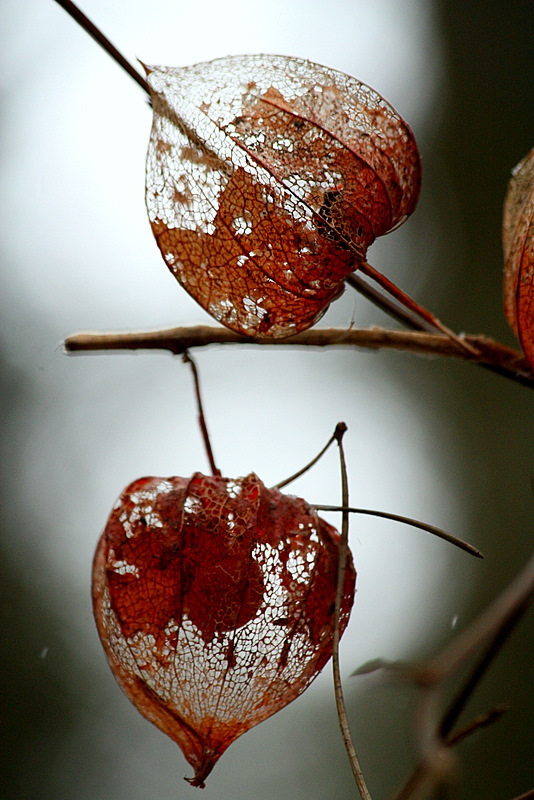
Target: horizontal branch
[(490, 354)]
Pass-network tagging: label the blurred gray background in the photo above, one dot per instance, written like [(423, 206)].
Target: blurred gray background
[(439, 440)]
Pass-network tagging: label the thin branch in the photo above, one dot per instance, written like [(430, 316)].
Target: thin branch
[(493, 625), (343, 550), (386, 304), (480, 721), (103, 41), (415, 523), (510, 615), (201, 418), (308, 466), (411, 305), (526, 796), (489, 631), (491, 354), (427, 776)]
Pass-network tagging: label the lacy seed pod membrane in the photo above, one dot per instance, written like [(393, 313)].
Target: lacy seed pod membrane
[(518, 245), (214, 600), (267, 179)]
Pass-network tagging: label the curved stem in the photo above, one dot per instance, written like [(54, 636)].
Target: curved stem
[(308, 466), (343, 549), (526, 795), (415, 523)]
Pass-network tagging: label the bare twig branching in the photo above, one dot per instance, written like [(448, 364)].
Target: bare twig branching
[(480, 642), (484, 637)]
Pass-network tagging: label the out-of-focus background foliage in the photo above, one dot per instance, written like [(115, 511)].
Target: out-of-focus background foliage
[(440, 440)]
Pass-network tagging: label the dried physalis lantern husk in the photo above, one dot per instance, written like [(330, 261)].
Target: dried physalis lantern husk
[(214, 600), (518, 244), (267, 179)]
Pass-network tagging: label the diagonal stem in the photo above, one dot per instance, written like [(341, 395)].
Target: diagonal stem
[(411, 305), (480, 721), (526, 795), (386, 304), (487, 633), (308, 466), (496, 642), (90, 28)]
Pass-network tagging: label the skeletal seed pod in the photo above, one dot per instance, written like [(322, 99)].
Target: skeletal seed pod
[(214, 601), (267, 179), (518, 245)]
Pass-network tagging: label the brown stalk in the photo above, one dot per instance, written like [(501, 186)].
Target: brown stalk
[(414, 523), (337, 436), (411, 305), (480, 721), (308, 466), (526, 796), (90, 28), (388, 305), (201, 418), (340, 703)]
